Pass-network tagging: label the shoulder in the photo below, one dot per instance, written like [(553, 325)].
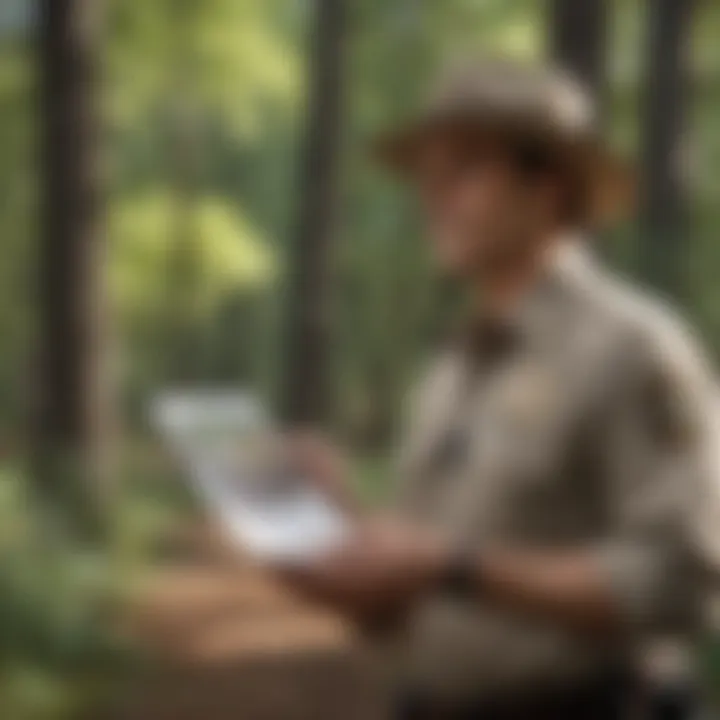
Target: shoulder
[(651, 330), (653, 347)]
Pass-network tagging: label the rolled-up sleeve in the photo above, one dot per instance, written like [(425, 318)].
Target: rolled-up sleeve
[(662, 486)]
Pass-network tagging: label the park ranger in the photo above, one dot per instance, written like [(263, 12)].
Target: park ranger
[(557, 507)]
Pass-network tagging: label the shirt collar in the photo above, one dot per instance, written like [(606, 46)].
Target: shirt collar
[(568, 264)]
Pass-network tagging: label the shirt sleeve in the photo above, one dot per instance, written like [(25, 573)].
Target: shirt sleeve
[(662, 484)]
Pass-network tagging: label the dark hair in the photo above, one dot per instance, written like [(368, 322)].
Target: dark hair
[(535, 159)]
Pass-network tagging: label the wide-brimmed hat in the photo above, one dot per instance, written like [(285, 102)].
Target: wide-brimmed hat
[(516, 102)]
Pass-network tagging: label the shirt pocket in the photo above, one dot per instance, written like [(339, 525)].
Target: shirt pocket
[(517, 481), (520, 429)]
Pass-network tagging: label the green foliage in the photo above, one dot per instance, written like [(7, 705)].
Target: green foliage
[(200, 101), (224, 57), (59, 648), (227, 254), (18, 181)]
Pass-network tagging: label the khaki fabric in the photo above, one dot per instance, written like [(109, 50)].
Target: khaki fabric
[(594, 428)]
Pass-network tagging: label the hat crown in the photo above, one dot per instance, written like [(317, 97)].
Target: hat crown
[(542, 96)]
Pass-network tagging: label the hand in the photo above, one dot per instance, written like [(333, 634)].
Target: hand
[(324, 464), (382, 570)]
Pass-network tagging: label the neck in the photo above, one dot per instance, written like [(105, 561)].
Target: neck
[(501, 284)]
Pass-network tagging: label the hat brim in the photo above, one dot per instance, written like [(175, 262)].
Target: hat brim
[(608, 177)]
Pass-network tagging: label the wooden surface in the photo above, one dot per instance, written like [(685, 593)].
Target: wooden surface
[(222, 641)]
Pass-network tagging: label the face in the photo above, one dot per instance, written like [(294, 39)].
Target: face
[(480, 209)]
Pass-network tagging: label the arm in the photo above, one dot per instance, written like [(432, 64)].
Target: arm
[(655, 435), (649, 571), (327, 466), (567, 587)]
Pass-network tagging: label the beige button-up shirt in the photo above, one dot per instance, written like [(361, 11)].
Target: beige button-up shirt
[(592, 428)]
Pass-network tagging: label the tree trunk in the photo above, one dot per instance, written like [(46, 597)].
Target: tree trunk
[(306, 388), (71, 415), (578, 35), (662, 199)]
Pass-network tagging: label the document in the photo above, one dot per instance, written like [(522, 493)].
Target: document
[(235, 463)]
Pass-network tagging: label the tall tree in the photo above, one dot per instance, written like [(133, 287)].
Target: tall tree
[(663, 201), (578, 39), (307, 373), (71, 381)]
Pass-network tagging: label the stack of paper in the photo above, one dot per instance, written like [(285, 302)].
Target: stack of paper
[(232, 458)]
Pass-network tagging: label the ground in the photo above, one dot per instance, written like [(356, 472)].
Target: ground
[(223, 641)]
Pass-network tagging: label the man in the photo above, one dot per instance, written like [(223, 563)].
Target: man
[(557, 507)]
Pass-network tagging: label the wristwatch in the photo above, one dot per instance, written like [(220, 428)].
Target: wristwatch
[(460, 578)]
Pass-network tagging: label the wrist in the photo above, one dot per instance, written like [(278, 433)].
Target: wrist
[(432, 559), (460, 577)]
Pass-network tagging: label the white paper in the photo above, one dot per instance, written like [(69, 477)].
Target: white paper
[(279, 518)]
